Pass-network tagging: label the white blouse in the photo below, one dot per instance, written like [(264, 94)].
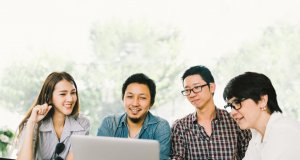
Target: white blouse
[(281, 140)]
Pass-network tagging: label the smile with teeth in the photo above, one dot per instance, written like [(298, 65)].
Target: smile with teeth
[(68, 105), (134, 110)]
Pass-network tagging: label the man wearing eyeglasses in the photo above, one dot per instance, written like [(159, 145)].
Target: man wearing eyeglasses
[(209, 132)]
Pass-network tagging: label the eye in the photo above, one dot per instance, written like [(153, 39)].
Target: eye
[(62, 94), (73, 92), (129, 96), (143, 98), (197, 87), (186, 90), (236, 102)]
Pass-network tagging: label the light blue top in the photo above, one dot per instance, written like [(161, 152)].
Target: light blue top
[(154, 128)]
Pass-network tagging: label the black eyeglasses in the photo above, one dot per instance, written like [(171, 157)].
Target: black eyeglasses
[(58, 149), (196, 89), (236, 104)]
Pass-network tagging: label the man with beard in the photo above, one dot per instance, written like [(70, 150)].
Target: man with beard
[(138, 95)]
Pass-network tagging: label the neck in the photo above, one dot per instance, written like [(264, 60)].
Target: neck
[(58, 119), (134, 125), (261, 123), (134, 128), (206, 113)]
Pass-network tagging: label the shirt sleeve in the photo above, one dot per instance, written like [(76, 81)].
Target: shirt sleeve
[(85, 123), (243, 142), (21, 138), (283, 142), (106, 128), (163, 135), (178, 143)]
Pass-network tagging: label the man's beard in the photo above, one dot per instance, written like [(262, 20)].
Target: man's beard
[(135, 120)]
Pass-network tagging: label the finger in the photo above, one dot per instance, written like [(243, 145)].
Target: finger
[(37, 109), (44, 108), (48, 109)]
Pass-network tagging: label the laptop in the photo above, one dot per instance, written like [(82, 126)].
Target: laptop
[(111, 148)]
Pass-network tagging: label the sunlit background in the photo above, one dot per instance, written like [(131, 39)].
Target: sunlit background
[(102, 42)]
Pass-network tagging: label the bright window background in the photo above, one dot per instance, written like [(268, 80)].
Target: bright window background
[(212, 33)]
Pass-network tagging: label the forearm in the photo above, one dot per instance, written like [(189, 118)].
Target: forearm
[(26, 150), (70, 156)]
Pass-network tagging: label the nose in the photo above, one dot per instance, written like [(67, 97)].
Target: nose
[(233, 112), (69, 97), (135, 101)]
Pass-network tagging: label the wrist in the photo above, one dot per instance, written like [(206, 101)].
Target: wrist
[(31, 123)]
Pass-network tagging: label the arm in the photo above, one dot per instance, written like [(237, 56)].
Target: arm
[(26, 150), (178, 142), (244, 137), (70, 156), (106, 128), (37, 114), (163, 135)]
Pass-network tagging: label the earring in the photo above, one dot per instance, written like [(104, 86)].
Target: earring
[(263, 108)]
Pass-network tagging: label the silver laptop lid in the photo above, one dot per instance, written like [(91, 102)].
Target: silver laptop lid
[(111, 148)]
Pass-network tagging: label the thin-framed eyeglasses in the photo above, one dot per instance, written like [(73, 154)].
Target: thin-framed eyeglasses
[(236, 104), (195, 89), (58, 149)]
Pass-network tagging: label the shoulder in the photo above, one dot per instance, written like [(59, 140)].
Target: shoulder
[(113, 117), (280, 123), (158, 119), (185, 121), (223, 114), (83, 121), (225, 118)]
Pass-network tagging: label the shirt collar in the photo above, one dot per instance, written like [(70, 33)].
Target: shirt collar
[(71, 125), (219, 116), (150, 119)]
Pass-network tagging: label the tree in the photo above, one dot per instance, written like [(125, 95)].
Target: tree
[(122, 49), (22, 81), (276, 54)]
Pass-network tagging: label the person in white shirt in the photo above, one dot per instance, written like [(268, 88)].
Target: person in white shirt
[(252, 102)]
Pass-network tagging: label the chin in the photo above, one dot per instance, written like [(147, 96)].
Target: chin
[(134, 119), (243, 126), (67, 113)]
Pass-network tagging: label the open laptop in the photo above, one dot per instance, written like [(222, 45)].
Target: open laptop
[(111, 148)]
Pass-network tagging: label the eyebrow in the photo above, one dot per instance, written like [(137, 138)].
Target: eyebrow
[(137, 94), (67, 90), (193, 85)]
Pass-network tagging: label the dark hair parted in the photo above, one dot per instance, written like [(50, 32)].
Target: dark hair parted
[(203, 71), (141, 79), (252, 85)]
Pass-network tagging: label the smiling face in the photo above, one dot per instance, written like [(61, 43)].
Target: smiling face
[(200, 99), (136, 101), (248, 115), (64, 97)]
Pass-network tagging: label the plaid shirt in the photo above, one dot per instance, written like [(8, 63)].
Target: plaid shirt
[(227, 141)]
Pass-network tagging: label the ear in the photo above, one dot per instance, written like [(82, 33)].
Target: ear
[(212, 87), (263, 102)]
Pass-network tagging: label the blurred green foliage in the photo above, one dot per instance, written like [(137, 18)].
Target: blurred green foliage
[(276, 54)]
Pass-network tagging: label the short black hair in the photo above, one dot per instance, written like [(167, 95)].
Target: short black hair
[(203, 71), (141, 79), (252, 85)]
